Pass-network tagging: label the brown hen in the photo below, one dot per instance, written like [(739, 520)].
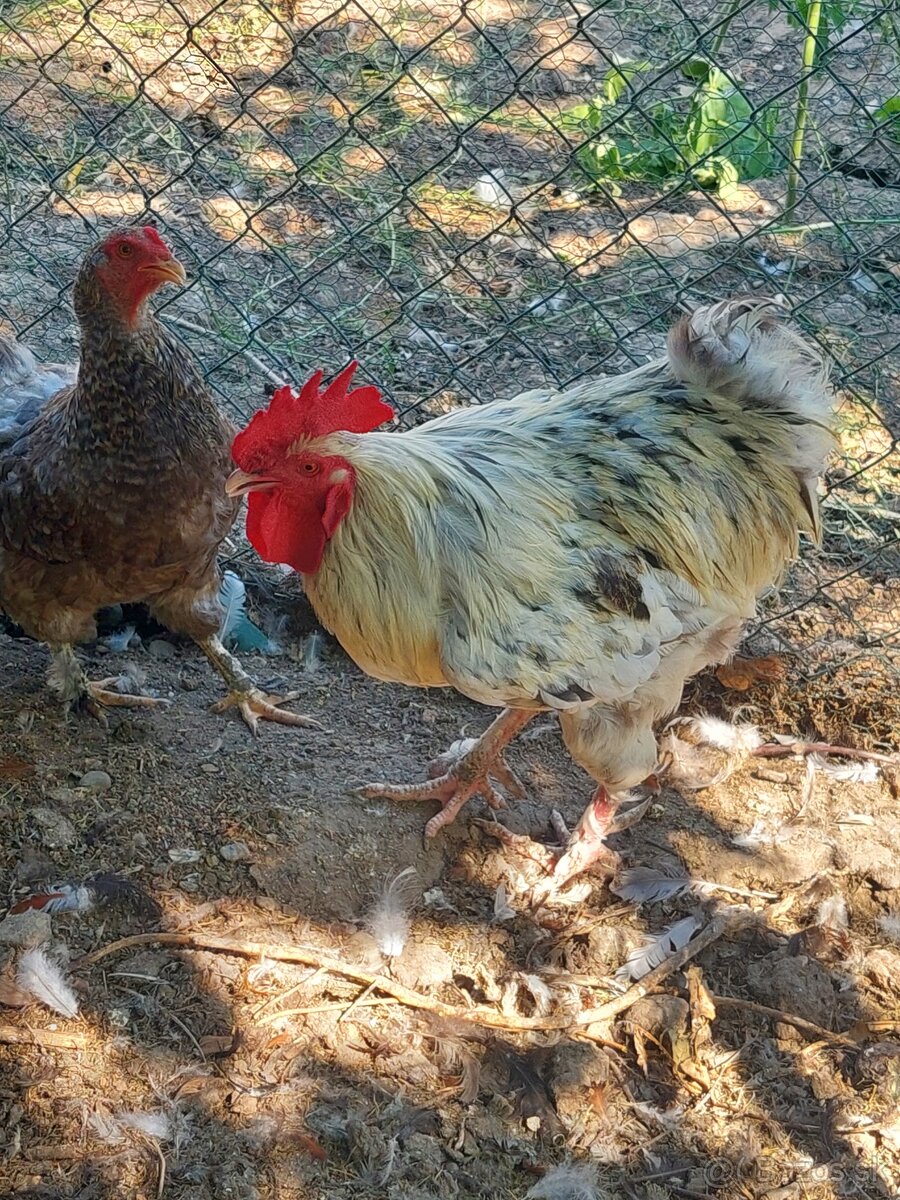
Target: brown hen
[(112, 480)]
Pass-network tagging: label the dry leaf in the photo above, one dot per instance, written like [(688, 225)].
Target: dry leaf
[(12, 996), (692, 1070), (742, 673), (702, 1006), (214, 1044), (13, 767)]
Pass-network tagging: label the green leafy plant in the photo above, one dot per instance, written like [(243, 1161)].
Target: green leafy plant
[(713, 135), (889, 114)]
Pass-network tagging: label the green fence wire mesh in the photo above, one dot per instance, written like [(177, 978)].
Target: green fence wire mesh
[(477, 197)]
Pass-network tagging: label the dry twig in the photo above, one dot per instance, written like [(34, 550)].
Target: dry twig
[(14, 1035), (799, 1023), (489, 1017)]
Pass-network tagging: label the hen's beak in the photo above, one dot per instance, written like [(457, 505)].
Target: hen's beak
[(241, 483), (167, 270)]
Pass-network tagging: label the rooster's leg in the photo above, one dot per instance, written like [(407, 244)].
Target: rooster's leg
[(468, 775), (587, 841), (253, 703), (581, 848), (68, 680)]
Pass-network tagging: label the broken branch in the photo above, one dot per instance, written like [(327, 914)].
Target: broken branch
[(13, 1035), (308, 956)]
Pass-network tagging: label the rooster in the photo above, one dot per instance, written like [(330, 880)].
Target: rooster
[(583, 551), (111, 480)]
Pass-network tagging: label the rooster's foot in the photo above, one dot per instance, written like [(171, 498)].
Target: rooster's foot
[(575, 852), (451, 789), (255, 705), (463, 771)]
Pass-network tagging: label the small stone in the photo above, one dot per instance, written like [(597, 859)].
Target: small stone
[(209, 768), (95, 781), (57, 831), (235, 851), (63, 795), (190, 883), (29, 928), (161, 649)]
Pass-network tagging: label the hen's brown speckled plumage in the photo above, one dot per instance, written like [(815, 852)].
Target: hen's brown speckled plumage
[(114, 491)]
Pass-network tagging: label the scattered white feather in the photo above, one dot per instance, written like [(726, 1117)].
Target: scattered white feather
[(543, 306), (236, 628), (657, 948), (644, 885), (312, 652), (432, 339), (154, 1125), (740, 739), (120, 640), (131, 681), (106, 1127), (388, 920), (668, 1118), (503, 910), (42, 978), (846, 772), (832, 913), (566, 1182), (759, 835), (491, 188), (541, 994), (690, 766), (807, 787), (889, 925)]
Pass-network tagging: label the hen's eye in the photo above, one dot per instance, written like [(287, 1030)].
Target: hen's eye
[(124, 250), (310, 468)]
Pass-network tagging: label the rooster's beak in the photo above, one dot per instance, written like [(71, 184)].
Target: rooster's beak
[(241, 483), (167, 270)]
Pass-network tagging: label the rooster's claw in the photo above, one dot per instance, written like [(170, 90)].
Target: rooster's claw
[(451, 790)]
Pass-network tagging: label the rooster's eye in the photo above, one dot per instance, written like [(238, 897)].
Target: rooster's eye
[(310, 468), (124, 249)]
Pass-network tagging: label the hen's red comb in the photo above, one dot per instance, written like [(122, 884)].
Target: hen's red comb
[(152, 235), (311, 414)]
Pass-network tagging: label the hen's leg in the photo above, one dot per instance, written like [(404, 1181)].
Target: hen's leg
[(66, 677), (253, 703), (468, 775)]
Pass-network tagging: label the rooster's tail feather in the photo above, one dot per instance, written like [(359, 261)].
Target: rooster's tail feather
[(740, 349)]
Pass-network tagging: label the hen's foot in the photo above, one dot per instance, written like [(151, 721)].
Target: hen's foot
[(465, 770), (99, 695), (256, 705), (252, 702), (78, 693)]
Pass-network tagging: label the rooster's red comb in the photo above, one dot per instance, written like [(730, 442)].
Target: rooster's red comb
[(312, 414)]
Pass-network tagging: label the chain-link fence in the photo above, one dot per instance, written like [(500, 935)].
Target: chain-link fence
[(477, 197)]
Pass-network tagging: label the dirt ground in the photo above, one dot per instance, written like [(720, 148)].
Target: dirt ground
[(263, 841)]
